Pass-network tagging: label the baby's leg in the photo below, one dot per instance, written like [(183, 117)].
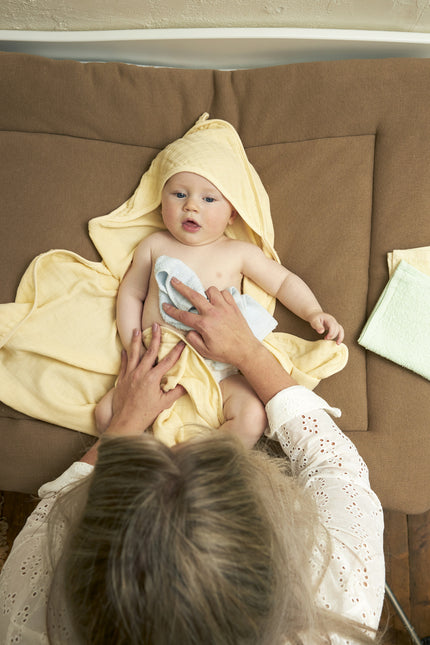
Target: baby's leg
[(104, 412), (244, 413)]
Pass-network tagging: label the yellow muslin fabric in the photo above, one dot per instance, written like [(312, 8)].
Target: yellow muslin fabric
[(59, 349), (418, 257)]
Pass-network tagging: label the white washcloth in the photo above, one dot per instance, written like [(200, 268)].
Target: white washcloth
[(166, 268)]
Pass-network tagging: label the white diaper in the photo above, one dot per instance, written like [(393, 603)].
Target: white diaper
[(219, 370)]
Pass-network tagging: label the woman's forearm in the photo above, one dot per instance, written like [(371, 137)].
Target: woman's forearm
[(264, 372), (90, 457)]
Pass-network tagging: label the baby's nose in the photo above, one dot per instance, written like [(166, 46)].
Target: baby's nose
[(190, 204)]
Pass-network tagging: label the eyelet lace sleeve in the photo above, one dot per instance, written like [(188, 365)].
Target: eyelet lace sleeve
[(323, 458), (26, 576), (328, 464)]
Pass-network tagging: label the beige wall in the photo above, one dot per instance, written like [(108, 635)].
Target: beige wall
[(401, 15)]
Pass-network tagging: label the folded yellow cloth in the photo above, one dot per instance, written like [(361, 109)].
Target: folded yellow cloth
[(418, 257), (59, 350), (59, 347)]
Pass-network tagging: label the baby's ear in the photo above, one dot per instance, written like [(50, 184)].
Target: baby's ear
[(232, 216)]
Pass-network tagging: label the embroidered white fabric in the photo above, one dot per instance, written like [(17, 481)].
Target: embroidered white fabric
[(324, 459), (26, 576), (328, 463)]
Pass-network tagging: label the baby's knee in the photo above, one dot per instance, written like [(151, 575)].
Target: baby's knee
[(255, 417), (251, 422), (254, 414)]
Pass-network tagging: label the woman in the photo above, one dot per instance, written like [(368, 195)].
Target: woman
[(206, 542)]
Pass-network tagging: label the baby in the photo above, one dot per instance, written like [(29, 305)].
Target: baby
[(196, 215)]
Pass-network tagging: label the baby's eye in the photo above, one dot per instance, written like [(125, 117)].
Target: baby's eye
[(209, 199), (179, 195)]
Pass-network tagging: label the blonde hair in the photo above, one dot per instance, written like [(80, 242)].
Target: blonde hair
[(205, 542)]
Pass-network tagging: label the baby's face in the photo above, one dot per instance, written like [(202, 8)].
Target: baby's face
[(193, 209)]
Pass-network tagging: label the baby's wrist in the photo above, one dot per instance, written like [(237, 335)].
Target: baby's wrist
[(310, 317)]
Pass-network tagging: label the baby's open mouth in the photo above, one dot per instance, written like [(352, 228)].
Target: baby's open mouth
[(190, 226)]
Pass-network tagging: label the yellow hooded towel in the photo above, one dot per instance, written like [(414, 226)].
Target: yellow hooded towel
[(60, 351)]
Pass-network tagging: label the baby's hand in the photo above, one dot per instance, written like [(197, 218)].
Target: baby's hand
[(323, 322)]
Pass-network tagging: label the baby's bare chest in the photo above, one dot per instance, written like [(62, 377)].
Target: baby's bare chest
[(221, 276), (217, 266)]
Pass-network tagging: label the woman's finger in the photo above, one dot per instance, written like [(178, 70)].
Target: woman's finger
[(217, 297), (197, 342), (173, 395), (169, 360), (133, 357), (123, 367), (150, 356), (196, 299), (186, 317)]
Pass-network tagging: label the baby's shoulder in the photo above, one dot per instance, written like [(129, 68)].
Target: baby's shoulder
[(157, 237), (243, 248), (152, 242)]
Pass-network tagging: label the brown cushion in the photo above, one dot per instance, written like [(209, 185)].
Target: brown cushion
[(342, 148)]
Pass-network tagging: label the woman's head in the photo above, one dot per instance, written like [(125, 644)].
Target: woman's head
[(205, 542), (186, 545)]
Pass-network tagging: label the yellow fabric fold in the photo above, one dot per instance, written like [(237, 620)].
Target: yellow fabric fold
[(200, 407), (418, 257), (59, 349), (61, 353)]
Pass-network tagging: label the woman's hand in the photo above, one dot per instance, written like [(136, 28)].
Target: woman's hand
[(221, 332), (138, 397)]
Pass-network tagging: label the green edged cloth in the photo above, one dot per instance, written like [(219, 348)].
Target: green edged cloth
[(399, 325)]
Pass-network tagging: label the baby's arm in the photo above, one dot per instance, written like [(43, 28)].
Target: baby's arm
[(290, 290), (132, 293)]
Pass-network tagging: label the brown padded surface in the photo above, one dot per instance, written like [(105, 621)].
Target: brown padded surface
[(342, 148)]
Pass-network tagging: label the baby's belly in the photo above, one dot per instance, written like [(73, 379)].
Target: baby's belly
[(151, 314)]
